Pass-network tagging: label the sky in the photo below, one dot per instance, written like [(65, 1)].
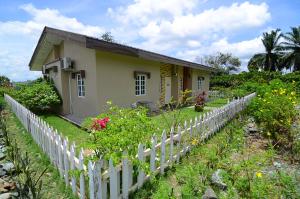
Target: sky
[(186, 29)]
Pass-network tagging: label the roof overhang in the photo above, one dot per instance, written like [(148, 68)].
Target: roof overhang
[(98, 44), (51, 37), (48, 39)]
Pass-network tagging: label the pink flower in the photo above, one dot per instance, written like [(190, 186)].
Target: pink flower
[(99, 124)]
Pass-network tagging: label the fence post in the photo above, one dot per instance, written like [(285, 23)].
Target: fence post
[(91, 179), (163, 152), (113, 180), (153, 154), (66, 162), (171, 145), (125, 176), (98, 179), (59, 149), (178, 144), (72, 160), (141, 175), (82, 186)]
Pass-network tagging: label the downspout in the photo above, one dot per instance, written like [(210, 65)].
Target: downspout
[(70, 93)]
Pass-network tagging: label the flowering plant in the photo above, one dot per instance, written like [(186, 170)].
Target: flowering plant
[(119, 129), (99, 124), (200, 102), (274, 110)]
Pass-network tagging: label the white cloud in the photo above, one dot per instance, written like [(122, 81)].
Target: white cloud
[(19, 38), (220, 20), (188, 33), (244, 50), (46, 17), (141, 11)]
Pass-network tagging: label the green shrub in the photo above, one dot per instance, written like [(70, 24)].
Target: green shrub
[(119, 129), (38, 97), (255, 77), (274, 110)]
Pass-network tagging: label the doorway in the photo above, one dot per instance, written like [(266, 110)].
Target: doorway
[(168, 90)]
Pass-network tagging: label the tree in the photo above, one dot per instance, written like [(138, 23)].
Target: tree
[(107, 37), (292, 48), (270, 59), (4, 81), (224, 62)]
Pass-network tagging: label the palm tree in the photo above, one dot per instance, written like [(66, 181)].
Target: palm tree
[(269, 60), (292, 48)]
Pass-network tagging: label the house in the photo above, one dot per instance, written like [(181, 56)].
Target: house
[(88, 72)]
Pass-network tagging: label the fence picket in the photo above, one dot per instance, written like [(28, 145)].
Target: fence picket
[(141, 175), (66, 162), (163, 152), (91, 179), (98, 179), (178, 144), (113, 180), (81, 183), (153, 154), (171, 145), (72, 166)]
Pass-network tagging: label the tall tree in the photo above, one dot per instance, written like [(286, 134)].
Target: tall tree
[(4, 81), (292, 48), (270, 59), (224, 62), (107, 36)]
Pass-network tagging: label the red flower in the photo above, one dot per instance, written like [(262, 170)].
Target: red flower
[(99, 124)]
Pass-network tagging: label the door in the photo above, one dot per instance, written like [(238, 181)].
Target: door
[(168, 95)]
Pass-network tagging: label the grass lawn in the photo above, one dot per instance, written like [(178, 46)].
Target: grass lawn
[(67, 129), (164, 120), (53, 185), (241, 160)]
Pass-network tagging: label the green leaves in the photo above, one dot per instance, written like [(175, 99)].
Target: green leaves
[(125, 130), (40, 96), (274, 109)]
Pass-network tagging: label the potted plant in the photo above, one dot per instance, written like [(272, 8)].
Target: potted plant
[(200, 102)]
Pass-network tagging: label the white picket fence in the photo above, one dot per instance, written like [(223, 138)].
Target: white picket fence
[(102, 179), (215, 94)]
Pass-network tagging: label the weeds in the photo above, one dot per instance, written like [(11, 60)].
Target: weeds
[(29, 181)]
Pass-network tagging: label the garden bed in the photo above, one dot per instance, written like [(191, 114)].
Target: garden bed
[(249, 168)]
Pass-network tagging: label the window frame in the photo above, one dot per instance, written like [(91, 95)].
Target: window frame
[(138, 85), (181, 83), (80, 86), (200, 81)]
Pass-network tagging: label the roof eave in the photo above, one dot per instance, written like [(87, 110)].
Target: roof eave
[(37, 48)]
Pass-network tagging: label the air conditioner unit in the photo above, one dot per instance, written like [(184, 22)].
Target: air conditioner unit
[(67, 64)]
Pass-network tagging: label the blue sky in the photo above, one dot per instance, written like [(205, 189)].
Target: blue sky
[(187, 29)]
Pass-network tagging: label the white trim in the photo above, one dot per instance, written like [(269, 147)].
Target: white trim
[(200, 81), (139, 86), (81, 87)]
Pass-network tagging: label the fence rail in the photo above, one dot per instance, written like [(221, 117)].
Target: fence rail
[(102, 179)]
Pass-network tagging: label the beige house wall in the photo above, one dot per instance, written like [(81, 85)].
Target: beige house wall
[(110, 77), (195, 74), (84, 59), (57, 77), (116, 82)]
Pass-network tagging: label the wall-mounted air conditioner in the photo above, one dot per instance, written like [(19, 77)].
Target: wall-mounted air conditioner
[(67, 64)]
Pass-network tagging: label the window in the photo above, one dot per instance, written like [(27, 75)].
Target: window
[(200, 81), (80, 86), (181, 83), (140, 85)]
